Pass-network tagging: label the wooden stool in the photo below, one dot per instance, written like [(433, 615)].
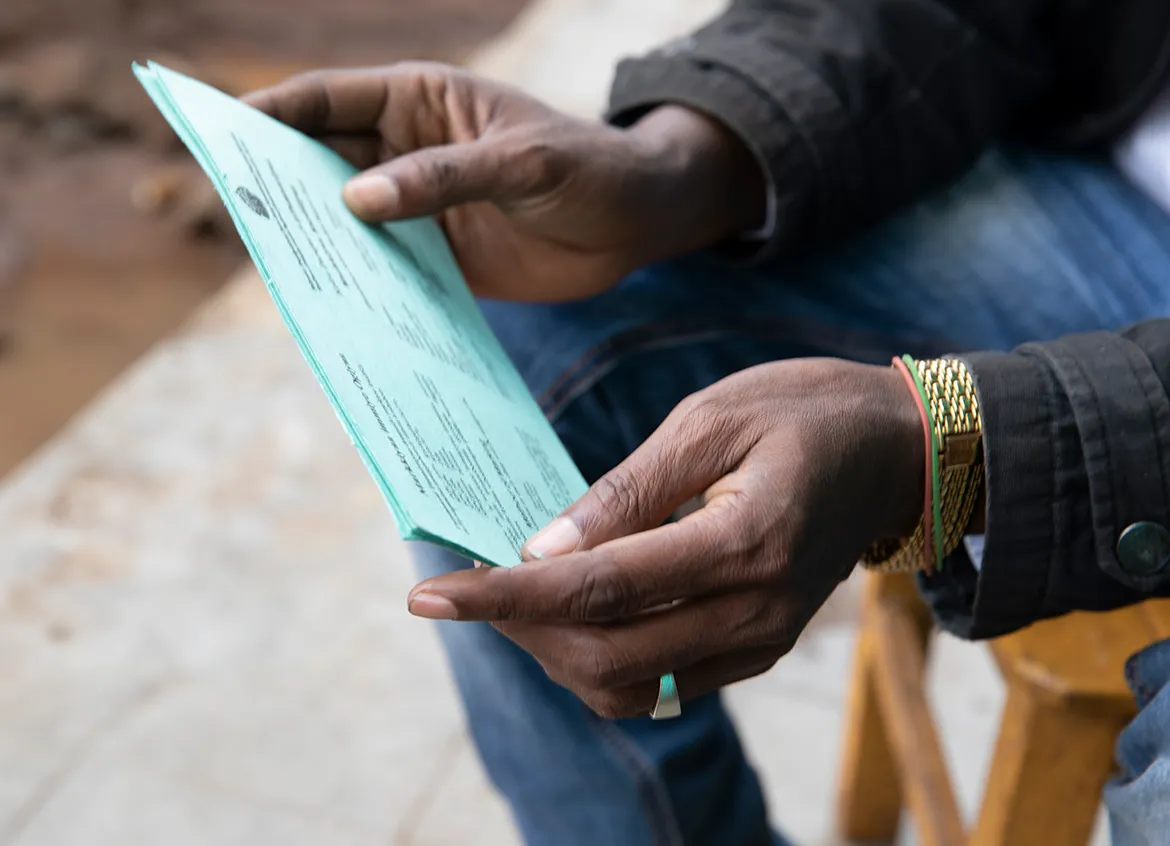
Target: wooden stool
[(1066, 703)]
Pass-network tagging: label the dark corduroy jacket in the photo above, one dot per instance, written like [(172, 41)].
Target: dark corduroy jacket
[(857, 108)]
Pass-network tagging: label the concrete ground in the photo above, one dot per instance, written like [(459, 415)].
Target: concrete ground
[(203, 634)]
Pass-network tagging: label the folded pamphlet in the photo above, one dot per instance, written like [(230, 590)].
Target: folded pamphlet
[(443, 421)]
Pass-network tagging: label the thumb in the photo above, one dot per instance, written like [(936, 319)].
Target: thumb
[(688, 453), (428, 181)]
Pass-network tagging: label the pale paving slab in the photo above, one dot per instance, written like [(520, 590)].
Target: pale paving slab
[(129, 805), (202, 589), (463, 809), (202, 634)]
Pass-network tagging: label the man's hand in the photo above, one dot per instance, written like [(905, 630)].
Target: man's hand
[(537, 206), (800, 466)]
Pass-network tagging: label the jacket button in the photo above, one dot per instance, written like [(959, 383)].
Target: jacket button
[(1144, 549)]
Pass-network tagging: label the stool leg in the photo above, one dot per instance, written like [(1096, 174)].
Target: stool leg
[(1051, 762), (869, 800)]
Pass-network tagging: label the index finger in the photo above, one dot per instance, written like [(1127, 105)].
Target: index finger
[(703, 553), (326, 101)]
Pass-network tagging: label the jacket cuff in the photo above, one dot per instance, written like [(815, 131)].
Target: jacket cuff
[(1075, 436), (1026, 424), (703, 83)]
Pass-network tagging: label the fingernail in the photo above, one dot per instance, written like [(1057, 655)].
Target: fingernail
[(371, 194), (560, 537), (431, 607)]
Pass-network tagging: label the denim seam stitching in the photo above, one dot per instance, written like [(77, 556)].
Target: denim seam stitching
[(657, 803), (665, 334)]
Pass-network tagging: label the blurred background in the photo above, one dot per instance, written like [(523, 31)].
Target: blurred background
[(203, 634), (108, 240)]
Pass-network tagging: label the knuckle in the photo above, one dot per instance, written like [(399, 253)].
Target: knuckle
[(594, 667), (424, 176), (619, 495), (703, 421), (758, 622), (539, 166), (698, 411), (441, 173), (419, 102), (716, 419), (600, 593), (737, 538), (310, 104), (426, 78), (778, 625), (505, 605)]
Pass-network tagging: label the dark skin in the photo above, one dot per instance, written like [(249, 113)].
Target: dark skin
[(537, 206), (800, 465)]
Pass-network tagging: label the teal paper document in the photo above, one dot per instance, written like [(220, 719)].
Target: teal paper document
[(440, 416)]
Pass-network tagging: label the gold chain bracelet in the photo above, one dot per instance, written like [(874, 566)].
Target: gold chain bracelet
[(949, 392)]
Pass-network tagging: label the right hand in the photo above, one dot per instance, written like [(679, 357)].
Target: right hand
[(537, 205), (800, 465)]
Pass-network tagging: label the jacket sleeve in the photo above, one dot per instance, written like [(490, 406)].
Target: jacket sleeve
[(853, 108), (1077, 451)]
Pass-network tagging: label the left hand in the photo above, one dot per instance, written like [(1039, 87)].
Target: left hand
[(800, 466), (537, 206)]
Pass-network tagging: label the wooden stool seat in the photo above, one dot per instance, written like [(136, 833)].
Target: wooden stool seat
[(1082, 656), (1067, 701)]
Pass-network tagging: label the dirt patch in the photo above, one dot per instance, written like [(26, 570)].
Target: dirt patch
[(94, 267)]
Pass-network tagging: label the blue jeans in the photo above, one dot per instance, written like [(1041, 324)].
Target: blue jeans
[(1025, 248)]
